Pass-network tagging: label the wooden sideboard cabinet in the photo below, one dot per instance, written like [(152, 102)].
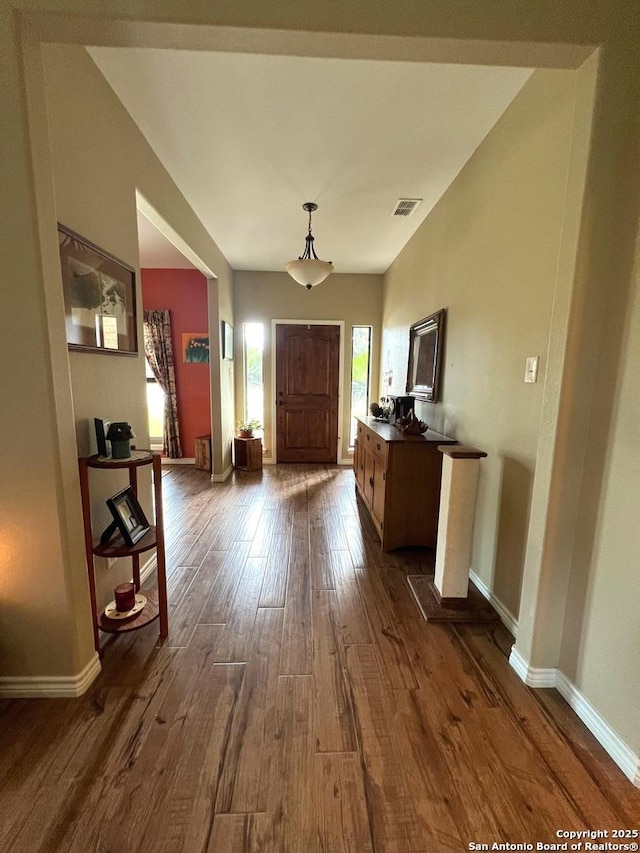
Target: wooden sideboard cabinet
[(398, 479)]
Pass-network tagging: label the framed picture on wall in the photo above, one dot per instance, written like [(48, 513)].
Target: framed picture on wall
[(195, 347), (227, 340), (99, 297)]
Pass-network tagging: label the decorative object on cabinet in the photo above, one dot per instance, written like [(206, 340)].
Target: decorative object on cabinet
[(411, 425), (128, 515), (227, 340), (99, 297), (399, 407), (247, 453), (398, 480), (425, 347), (102, 428), (380, 411), (120, 435), (156, 604)]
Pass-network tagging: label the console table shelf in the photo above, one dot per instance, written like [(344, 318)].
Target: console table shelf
[(156, 606), (148, 614)]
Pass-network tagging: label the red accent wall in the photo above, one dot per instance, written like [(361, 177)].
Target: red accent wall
[(184, 293)]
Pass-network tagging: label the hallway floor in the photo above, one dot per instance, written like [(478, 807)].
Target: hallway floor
[(300, 704)]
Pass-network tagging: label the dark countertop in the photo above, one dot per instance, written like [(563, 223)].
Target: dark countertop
[(388, 432)]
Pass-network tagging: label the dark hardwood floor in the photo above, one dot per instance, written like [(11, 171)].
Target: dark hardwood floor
[(300, 704)]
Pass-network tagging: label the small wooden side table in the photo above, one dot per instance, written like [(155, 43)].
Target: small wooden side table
[(247, 453), (203, 452)]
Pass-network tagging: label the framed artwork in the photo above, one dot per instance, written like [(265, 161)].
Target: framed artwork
[(99, 297), (128, 515), (227, 340), (195, 347), (425, 345)]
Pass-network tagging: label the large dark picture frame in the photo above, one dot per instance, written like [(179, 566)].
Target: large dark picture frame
[(99, 297), (426, 340), (128, 515)]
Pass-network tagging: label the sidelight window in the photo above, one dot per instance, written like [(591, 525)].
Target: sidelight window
[(253, 376), (360, 369)]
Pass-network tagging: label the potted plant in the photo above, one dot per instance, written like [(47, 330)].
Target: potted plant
[(246, 428)]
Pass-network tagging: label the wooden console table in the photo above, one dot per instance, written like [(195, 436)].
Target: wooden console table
[(398, 479)]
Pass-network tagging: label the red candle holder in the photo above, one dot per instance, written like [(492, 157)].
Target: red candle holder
[(125, 594)]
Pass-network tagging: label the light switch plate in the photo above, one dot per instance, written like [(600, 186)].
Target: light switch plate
[(531, 369)]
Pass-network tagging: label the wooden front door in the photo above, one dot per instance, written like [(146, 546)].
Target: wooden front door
[(307, 377)]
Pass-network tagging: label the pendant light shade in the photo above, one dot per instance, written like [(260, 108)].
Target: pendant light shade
[(309, 270)]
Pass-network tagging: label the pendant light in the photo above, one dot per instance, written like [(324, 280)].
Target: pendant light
[(309, 270)]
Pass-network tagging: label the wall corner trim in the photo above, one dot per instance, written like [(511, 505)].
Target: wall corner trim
[(622, 754), (507, 619), (54, 687), (531, 675), (220, 478)]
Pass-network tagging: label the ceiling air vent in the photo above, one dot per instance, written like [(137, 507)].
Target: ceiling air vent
[(405, 206)]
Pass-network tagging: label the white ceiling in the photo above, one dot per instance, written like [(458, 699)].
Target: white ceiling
[(249, 138)]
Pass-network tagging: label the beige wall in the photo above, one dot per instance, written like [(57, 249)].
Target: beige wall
[(602, 626), (94, 187), (263, 297), (488, 254)]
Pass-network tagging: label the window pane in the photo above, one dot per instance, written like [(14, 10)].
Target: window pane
[(155, 405), (360, 364), (253, 381)]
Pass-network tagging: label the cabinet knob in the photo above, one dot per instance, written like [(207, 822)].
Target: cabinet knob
[(378, 445), (371, 481)]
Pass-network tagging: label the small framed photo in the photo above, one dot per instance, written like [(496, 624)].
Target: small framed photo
[(102, 428), (227, 340), (128, 515), (99, 297)]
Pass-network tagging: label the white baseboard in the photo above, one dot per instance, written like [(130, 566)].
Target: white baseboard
[(348, 461), (532, 676), (220, 478), (148, 568), (51, 686), (183, 460), (622, 754), (507, 619)]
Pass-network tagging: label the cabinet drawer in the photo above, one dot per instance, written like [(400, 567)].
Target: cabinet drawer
[(377, 446)]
